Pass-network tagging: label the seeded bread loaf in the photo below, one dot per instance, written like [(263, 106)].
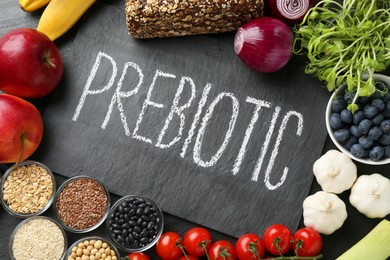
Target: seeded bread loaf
[(165, 18)]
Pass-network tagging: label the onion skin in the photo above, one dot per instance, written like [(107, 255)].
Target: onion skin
[(290, 11), (264, 44)]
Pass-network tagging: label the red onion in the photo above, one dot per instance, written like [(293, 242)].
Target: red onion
[(289, 11), (264, 44)]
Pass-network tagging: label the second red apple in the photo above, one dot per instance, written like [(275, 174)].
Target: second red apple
[(21, 129)]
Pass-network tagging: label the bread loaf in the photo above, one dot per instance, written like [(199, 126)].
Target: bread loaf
[(165, 18)]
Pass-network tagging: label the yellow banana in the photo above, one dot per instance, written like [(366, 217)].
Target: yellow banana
[(32, 5), (60, 15)]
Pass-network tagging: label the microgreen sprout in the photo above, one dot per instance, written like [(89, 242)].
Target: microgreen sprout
[(346, 43)]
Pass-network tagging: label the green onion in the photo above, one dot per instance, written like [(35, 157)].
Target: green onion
[(346, 43)]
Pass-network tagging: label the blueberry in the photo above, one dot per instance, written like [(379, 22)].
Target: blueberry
[(357, 150), (335, 121), (379, 104), (366, 142), (364, 126), (386, 96), (355, 131), (376, 153), (374, 133), (346, 116), (385, 126), (377, 120), (384, 139), (370, 111), (349, 96), (386, 111), (387, 151), (376, 95), (338, 104), (364, 100), (358, 117), (341, 135), (351, 141)]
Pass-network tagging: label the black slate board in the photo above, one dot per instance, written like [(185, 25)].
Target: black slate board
[(126, 155)]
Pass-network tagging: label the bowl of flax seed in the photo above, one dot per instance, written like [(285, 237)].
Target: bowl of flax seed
[(28, 189), (81, 204)]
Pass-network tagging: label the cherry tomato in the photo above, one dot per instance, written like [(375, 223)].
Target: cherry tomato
[(307, 242), (188, 257), (250, 246), (138, 256), (222, 250), (197, 241), (168, 246), (277, 239)]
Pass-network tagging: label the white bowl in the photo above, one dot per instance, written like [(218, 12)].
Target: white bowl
[(377, 77)]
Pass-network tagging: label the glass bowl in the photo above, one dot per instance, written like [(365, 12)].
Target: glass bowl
[(135, 218), (378, 78), (49, 201), (75, 200), (43, 239), (96, 238)]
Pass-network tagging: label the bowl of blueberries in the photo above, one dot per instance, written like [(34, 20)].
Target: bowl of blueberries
[(365, 134)]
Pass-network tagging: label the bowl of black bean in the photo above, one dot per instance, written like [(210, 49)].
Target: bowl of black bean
[(363, 135), (135, 223)]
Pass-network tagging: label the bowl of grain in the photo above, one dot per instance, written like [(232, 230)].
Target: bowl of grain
[(28, 189), (81, 204), (94, 247), (37, 238)]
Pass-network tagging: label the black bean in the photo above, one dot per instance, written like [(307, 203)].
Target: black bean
[(121, 238), (129, 239), (139, 211), (120, 208), (125, 225), (135, 244), (132, 223), (137, 201), (135, 235), (121, 221), (151, 239), (133, 206), (147, 210), (127, 209), (139, 222), (152, 218), (144, 224), (131, 212), (112, 215), (144, 240), (142, 205), (150, 225), (125, 232), (115, 226), (144, 233), (137, 229), (151, 233), (116, 231), (116, 220), (124, 204), (117, 213), (145, 218), (158, 220)]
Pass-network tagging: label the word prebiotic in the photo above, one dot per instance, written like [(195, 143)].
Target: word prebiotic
[(204, 111)]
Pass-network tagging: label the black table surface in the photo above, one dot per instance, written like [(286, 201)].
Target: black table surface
[(355, 227)]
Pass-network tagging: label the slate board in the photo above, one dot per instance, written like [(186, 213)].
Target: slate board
[(204, 183)]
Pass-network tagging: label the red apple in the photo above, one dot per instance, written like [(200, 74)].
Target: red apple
[(21, 129), (30, 64)]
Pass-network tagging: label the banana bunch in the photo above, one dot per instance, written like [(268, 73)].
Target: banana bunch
[(59, 15)]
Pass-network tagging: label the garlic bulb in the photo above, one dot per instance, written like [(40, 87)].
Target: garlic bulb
[(325, 212), (370, 195), (335, 172)]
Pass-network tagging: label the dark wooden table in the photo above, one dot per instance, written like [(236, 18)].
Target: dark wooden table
[(355, 227)]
